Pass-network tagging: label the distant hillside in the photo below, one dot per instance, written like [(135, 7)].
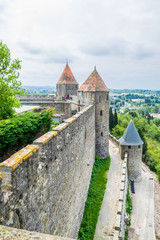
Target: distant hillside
[(140, 91), (39, 89)]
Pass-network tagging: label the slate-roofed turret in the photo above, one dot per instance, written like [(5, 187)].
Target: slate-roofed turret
[(131, 143), (131, 136)]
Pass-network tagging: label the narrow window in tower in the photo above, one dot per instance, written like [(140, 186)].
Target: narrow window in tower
[(101, 134), (139, 146), (129, 147), (99, 98), (85, 133), (107, 97), (101, 113)]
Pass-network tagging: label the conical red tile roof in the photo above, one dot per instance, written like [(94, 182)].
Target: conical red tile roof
[(94, 83), (67, 77)]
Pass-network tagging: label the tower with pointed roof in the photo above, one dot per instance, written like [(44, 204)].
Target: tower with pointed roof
[(94, 91), (131, 143), (67, 85)]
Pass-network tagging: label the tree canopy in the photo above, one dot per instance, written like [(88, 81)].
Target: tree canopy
[(10, 86), (149, 132)]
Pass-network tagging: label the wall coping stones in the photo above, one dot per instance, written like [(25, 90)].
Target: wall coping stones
[(10, 233), (77, 115), (60, 127), (121, 207), (46, 137), (118, 222), (74, 117), (18, 157), (70, 120)]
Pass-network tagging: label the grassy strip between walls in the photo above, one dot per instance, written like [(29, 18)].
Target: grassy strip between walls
[(95, 197), (128, 212)]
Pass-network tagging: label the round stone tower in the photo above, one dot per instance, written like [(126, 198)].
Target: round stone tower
[(131, 143), (67, 84), (94, 91)]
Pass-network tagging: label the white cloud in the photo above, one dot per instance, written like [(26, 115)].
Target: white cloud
[(120, 37)]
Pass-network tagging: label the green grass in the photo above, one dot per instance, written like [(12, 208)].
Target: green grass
[(128, 203), (126, 234), (128, 211), (95, 197)]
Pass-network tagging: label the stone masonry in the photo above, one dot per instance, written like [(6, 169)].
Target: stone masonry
[(44, 186)]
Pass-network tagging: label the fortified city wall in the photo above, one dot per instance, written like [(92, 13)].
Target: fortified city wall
[(44, 186)]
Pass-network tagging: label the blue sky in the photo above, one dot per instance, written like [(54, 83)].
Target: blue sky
[(120, 38)]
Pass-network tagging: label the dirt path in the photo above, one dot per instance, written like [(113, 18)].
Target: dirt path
[(142, 218), (156, 201), (107, 216)]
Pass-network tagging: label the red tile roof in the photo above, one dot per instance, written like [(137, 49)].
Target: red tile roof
[(93, 83), (67, 77)]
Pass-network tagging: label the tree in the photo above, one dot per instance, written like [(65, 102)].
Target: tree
[(110, 119), (10, 86), (115, 118), (141, 133)]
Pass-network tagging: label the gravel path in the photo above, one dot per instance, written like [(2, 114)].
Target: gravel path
[(107, 216), (142, 218)]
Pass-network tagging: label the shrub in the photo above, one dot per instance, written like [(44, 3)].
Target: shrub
[(21, 130)]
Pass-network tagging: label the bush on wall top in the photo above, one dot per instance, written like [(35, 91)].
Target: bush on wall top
[(21, 130)]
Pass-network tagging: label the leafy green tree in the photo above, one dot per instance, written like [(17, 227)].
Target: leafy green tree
[(156, 109), (126, 110), (141, 133), (118, 131), (133, 114), (10, 86)]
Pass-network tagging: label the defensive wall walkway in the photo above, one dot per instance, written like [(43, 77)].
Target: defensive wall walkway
[(108, 219), (142, 217)]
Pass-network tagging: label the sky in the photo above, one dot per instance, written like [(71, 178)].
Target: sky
[(120, 37)]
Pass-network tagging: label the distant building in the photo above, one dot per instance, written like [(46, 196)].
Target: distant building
[(155, 115), (138, 100)]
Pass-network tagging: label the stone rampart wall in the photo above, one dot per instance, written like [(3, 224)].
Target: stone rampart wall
[(36, 96), (44, 186), (114, 140), (8, 233), (121, 207), (62, 107)]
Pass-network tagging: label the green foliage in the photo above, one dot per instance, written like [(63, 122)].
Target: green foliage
[(126, 234), (110, 119), (128, 203), (10, 86), (149, 131), (54, 124), (113, 119), (128, 211), (21, 130), (94, 199)]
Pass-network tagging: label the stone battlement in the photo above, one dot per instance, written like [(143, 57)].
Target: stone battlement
[(9, 233), (40, 185)]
